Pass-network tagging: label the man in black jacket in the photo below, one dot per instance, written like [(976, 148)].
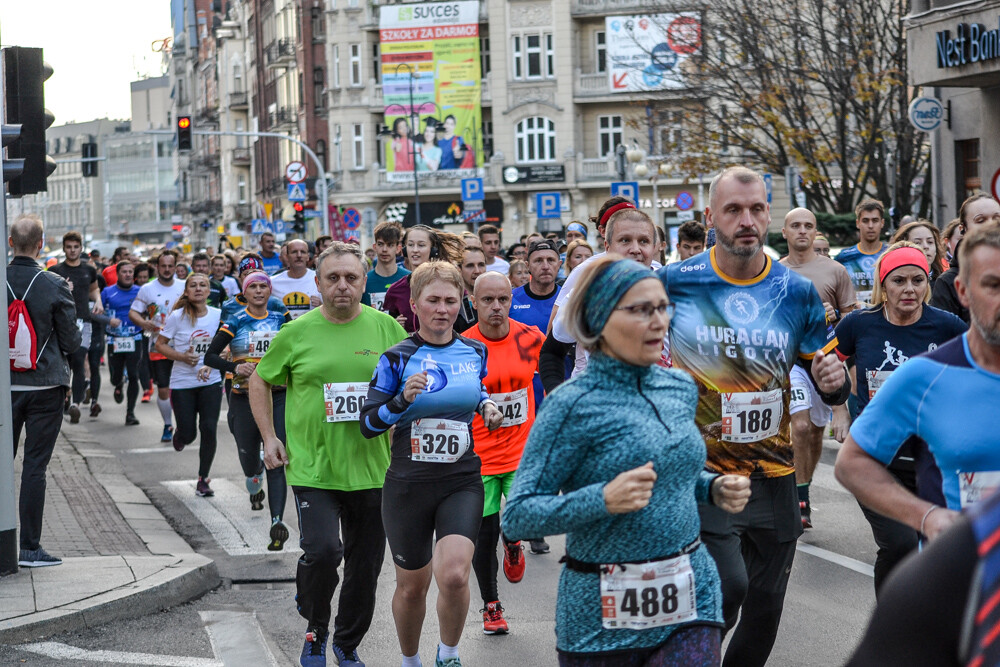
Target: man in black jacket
[(36, 396)]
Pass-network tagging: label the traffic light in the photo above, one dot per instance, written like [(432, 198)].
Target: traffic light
[(11, 168), (184, 133), (25, 73), (299, 219), (89, 150)]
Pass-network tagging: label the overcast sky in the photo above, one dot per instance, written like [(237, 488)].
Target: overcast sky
[(95, 49)]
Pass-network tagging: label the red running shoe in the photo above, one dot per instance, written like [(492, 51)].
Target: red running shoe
[(147, 395), (493, 621), (513, 561)]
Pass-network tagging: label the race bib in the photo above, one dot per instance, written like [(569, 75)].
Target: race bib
[(343, 400), (200, 344), (976, 486), (124, 344), (864, 296), (378, 298), (799, 398), (648, 595), (875, 381), (260, 342), (750, 416), (513, 407), (438, 440)]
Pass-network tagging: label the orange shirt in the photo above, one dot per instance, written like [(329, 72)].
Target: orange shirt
[(510, 364)]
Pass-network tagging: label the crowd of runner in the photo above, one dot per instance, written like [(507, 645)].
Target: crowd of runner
[(663, 406)]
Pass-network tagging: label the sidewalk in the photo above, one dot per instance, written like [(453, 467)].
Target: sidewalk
[(120, 556)]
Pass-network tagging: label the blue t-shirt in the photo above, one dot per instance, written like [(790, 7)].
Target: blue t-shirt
[(117, 302), (252, 337), (528, 308), (377, 286), (880, 347), (861, 268), (926, 398), (448, 147), (271, 264)]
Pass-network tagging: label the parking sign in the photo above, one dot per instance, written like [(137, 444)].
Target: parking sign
[(472, 189), (548, 205), (628, 189)]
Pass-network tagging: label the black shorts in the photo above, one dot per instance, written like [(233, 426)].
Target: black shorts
[(161, 369), (413, 513)]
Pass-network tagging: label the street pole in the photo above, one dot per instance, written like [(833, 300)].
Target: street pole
[(413, 148)]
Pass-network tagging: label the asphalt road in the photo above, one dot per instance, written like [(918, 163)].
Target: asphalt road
[(252, 619)]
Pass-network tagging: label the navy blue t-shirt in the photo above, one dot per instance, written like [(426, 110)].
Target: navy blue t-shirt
[(879, 347), (527, 307)]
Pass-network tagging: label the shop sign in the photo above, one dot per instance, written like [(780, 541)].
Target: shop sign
[(926, 113), (972, 43)]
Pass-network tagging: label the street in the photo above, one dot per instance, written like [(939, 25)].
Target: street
[(251, 618)]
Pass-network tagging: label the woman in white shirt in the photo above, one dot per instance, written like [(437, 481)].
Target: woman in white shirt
[(195, 389)]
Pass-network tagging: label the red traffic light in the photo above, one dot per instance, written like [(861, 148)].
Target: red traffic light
[(184, 122), (298, 207)]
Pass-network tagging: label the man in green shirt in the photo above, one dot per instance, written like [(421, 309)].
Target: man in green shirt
[(386, 271), (327, 357)]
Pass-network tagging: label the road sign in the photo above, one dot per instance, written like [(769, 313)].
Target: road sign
[(478, 216), (351, 218), (472, 188), (684, 200), (186, 230), (281, 227), (312, 213), (296, 192), (260, 226), (296, 172), (548, 205), (768, 185), (628, 189), (473, 204)]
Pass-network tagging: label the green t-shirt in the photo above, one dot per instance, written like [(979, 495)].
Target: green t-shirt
[(309, 353), (378, 285)]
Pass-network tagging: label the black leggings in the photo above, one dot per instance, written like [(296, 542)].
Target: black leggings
[(484, 560), (197, 410), (125, 361), (249, 445), (145, 379)]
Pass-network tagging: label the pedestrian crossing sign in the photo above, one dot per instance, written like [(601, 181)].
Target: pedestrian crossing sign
[(296, 192)]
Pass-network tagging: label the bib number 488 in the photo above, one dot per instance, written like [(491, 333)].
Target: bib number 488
[(650, 601)]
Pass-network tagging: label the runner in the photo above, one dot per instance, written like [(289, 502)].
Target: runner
[(326, 358), (386, 271), (926, 236), (473, 265), (420, 244), (149, 311), (741, 322), (296, 287), (219, 265), (808, 412), (272, 260), (977, 210), (428, 389), (250, 263), (196, 391), (218, 295), (624, 505), (517, 273), (690, 240), (248, 334), (860, 259), (821, 246), (577, 252), (512, 350), (489, 237), (124, 346), (532, 303)]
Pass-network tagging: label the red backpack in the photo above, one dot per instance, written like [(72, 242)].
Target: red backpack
[(24, 350)]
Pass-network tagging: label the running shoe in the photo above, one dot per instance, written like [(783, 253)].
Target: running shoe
[(130, 419), (147, 395), (255, 487), (513, 561), (119, 392), (806, 510), (539, 546), (74, 414), (314, 650), (257, 501), (203, 489), (279, 535), (86, 392), (447, 662), (493, 621), (37, 558), (344, 658), (95, 409), (168, 435)]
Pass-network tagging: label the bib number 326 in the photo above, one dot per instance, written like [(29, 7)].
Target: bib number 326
[(648, 595), (343, 400), (751, 416), (438, 440)]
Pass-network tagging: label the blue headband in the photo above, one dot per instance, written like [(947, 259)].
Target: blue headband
[(576, 227), (608, 288)]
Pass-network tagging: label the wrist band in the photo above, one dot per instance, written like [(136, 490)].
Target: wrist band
[(926, 514)]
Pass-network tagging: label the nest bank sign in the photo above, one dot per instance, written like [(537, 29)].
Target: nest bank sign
[(972, 43)]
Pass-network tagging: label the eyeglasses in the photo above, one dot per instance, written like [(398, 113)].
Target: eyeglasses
[(646, 310)]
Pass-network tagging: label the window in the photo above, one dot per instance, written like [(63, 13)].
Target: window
[(318, 88), (336, 66), (601, 51), (377, 60), (241, 188), (533, 56), (318, 23), (321, 152), (241, 142), (609, 132), (237, 78), (355, 64), (533, 50), (518, 58), (487, 139), (967, 157), (337, 166), (358, 134), (353, 4), (536, 140), (484, 56), (550, 56)]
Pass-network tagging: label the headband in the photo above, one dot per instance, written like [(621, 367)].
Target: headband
[(250, 263), (905, 256), (576, 227), (257, 277), (614, 209), (608, 288)]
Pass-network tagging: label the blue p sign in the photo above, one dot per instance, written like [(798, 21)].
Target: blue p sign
[(472, 189), (548, 205), (628, 189)]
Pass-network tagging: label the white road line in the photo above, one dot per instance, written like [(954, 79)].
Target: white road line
[(837, 559), (58, 651), (227, 515), (237, 638), (157, 450)]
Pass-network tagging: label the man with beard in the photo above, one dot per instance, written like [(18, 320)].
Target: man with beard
[(741, 321)]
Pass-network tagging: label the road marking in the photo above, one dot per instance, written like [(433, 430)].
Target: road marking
[(837, 559), (58, 651), (227, 515), (158, 450), (237, 638)]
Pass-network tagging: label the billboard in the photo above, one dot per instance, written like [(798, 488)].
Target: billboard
[(433, 48), (651, 52)]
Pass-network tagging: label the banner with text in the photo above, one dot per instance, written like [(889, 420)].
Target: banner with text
[(651, 52), (431, 75)]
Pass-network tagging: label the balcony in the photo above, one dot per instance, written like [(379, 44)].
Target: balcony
[(283, 118), (591, 85), (597, 169), (450, 180), (280, 53), (241, 157), (238, 100), (242, 212), (208, 114), (606, 7)]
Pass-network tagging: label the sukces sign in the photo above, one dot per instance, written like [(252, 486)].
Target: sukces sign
[(650, 52), (432, 85)]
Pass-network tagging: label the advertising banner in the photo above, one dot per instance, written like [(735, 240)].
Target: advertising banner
[(651, 52), (432, 86)]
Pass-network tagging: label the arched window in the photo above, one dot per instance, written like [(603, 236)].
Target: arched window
[(536, 140)]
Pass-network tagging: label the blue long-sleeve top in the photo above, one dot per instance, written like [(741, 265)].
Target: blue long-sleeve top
[(612, 418)]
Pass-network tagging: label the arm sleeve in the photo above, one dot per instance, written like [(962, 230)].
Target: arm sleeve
[(535, 506), (552, 362), (846, 297), (384, 404), (818, 334), (213, 358), (169, 329)]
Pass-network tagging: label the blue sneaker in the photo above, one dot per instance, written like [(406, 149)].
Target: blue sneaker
[(314, 650), (168, 434), (448, 662), (345, 659)]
